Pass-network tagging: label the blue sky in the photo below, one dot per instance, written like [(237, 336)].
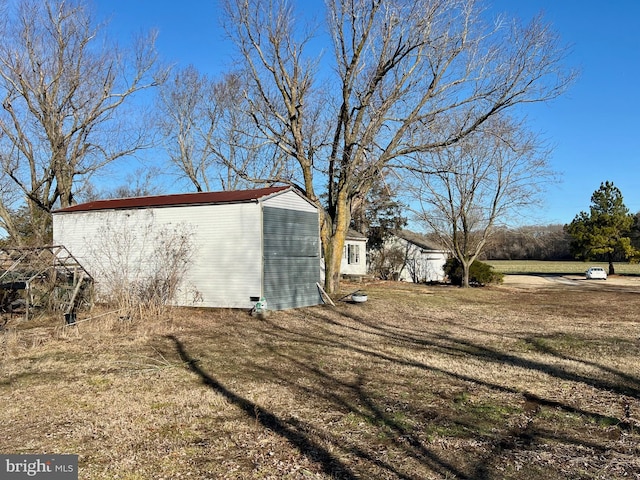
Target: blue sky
[(594, 127)]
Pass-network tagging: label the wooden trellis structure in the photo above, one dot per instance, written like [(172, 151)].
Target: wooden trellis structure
[(47, 279)]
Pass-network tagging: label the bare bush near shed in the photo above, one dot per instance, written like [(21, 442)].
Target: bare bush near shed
[(142, 272), (387, 262)]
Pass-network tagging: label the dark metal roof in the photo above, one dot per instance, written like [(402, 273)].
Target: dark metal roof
[(419, 240), (355, 235), (231, 196)]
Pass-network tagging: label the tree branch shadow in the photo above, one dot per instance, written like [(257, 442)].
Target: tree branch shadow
[(630, 387), (471, 349), (345, 330), (364, 405), (307, 447), (512, 438)]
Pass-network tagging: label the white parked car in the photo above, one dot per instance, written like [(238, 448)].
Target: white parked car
[(596, 273)]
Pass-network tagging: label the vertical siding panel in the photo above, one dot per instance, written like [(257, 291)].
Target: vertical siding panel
[(227, 267), (291, 258)]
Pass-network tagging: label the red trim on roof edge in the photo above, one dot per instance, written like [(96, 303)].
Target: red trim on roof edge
[(231, 196)]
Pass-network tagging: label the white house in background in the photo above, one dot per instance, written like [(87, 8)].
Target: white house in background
[(354, 255), (424, 261), (247, 245)]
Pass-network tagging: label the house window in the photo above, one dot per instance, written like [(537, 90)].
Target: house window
[(353, 254)]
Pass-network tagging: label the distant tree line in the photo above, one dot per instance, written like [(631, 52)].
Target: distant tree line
[(608, 232), (532, 242), (546, 242)]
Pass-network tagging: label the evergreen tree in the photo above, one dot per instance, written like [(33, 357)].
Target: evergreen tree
[(605, 231), (379, 214)]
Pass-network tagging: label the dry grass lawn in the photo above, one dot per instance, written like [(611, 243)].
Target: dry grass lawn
[(560, 267), (420, 382)]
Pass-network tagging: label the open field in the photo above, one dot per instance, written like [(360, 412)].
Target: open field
[(526, 267), (420, 382)]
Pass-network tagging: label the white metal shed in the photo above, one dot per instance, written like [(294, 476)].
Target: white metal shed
[(247, 244)]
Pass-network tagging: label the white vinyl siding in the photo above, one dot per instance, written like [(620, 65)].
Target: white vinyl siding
[(290, 201), (226, 265), (420, 264), (227, 269)]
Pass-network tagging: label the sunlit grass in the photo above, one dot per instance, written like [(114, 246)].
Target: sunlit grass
[(524, 267), (418, 382)]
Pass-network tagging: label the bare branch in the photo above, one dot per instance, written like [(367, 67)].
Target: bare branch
[(63, 94), (410, 78), (486, 178)]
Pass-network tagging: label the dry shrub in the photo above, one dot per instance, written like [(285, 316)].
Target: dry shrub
[(140, 273), (10, 343), (101, 326), (108, 326), (387, 262)]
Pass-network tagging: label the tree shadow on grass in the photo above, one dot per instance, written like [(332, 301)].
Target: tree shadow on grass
[(449, 344), (518, 437), (294, 430), (353, 397), (624, 384), (382, 346), (288, 430)]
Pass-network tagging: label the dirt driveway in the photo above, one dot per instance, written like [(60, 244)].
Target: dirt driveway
[(613, 283)]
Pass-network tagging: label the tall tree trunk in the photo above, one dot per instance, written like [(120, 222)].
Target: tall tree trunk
[(334, 235), (407, 89), (64, 179), (465, 274)]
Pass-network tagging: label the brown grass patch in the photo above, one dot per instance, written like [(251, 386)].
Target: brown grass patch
[(419, 382)]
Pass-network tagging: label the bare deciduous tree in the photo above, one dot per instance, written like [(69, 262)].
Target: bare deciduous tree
[(63, 87), (487, 177), (209, 135), (402, 71), (186, 124), (141, 182)]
